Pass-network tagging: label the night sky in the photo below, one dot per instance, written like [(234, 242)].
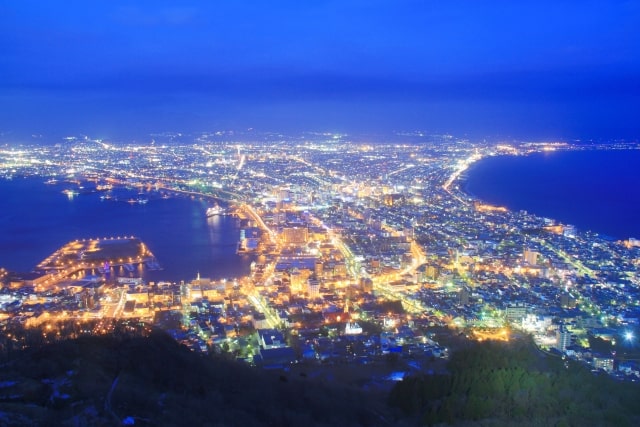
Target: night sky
[(521, 69)]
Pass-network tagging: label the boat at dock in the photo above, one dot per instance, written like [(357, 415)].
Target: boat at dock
[(216, 210)]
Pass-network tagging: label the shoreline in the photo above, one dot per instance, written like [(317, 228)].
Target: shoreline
[(462, 185), (53, 221)]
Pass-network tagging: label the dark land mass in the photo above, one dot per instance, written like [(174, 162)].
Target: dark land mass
[(153, 380), (124, 379), (515, 384)]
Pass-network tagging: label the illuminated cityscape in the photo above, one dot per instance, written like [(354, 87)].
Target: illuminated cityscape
[(326, 213), (363, 249)]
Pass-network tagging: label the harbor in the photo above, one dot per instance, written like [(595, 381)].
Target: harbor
[(113, 256)]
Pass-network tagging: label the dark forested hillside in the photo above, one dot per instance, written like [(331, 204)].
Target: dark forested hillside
[(515, 384), (155, 381), (152, 380)]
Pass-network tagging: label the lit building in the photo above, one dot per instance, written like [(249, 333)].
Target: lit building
[(318, 268), (564, 338), (284, 194), (536, 323), (569, 231), (270, 338), (366, 285), (603, 362), (352, 328), (567, 301), (313, 287), (531, 257), (295, 235), (516, 313), (259, 321), (635, 243)]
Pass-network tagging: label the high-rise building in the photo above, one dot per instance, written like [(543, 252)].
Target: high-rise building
[(318, 268), (313, 287), (564, 338)]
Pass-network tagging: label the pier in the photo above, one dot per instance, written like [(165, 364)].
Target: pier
[(95, 255)]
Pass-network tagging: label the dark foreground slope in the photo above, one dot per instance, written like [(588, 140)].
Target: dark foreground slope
[(155, 381), (515, 384), (120, 380)]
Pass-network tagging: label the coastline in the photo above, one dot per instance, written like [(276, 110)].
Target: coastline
[(602, 213), (43, 218)]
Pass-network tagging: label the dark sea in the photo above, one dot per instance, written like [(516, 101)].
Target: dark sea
[(37, 218), (597, 190)]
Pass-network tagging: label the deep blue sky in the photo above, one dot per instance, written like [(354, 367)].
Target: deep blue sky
[(526, 69)]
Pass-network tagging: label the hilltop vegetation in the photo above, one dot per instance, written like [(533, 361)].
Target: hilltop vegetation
[(153, 380), (515, 384)]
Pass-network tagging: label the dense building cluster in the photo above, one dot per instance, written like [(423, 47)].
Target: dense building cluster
[(361, 248)]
